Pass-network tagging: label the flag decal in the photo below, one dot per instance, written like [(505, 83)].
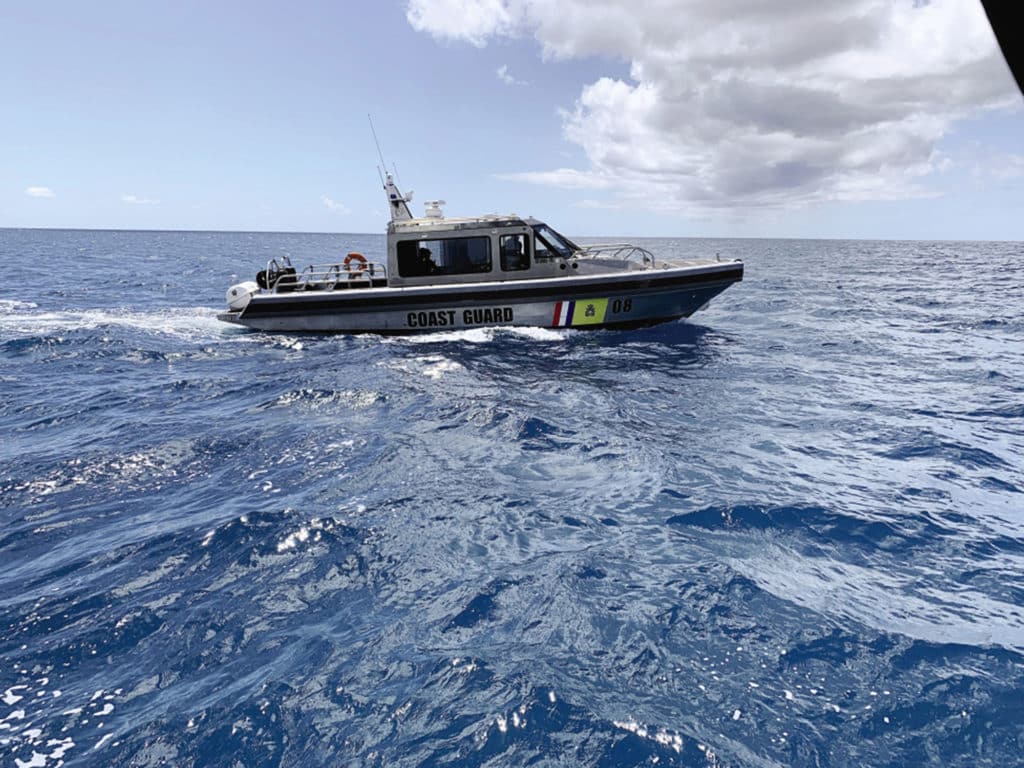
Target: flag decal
[(582, 312)]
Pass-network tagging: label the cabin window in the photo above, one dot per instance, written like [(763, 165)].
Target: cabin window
[(448, 256), (515, 252), (551, 244)]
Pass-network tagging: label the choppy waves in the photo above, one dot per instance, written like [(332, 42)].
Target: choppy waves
[(787, 533)]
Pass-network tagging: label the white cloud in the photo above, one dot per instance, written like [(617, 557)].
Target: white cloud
[(136, 200), (40, 192), (985, 166), (506, 77), (334, 205), (470, 20), (744, 103), (566, 178)]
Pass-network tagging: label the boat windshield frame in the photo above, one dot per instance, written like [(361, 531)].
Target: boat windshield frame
[(555, 241)]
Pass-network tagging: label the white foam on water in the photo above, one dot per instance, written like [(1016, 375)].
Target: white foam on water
[(440, 368), (311, 531), (292, 540), (485, 335), (662, 736), (431, 366), (346, 398), (537, 334), (470, 335), (9, 305), (192, 323)]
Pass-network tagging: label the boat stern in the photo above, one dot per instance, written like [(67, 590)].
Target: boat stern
[(230, 317)]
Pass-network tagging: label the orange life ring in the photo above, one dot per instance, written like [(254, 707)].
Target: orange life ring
[(357, 257)]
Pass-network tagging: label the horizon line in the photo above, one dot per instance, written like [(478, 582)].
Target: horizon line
[(638, 237)]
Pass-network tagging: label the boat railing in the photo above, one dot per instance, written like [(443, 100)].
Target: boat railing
[(325, 277), (620, 251)]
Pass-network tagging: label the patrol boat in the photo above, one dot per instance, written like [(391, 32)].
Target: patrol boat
[(443, 273)]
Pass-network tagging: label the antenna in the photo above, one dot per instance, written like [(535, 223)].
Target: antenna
[(374, 132), (399, 202)]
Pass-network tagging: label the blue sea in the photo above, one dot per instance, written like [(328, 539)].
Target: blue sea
[(788, 532)]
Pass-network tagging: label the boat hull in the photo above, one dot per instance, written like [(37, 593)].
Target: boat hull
[(599, 301)]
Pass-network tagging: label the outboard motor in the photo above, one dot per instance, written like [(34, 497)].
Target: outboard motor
[(239, 295)]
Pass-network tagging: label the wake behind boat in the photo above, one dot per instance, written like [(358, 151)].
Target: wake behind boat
[(452, 273)]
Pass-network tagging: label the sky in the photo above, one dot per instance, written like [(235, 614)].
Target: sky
[(878, 119)]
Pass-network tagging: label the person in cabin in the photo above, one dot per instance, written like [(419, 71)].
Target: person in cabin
[(512, 253), (426, 262)]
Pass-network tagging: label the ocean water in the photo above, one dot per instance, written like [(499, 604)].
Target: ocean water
[(789, 532)]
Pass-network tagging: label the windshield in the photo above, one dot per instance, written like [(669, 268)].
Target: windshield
[(553, 242)]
